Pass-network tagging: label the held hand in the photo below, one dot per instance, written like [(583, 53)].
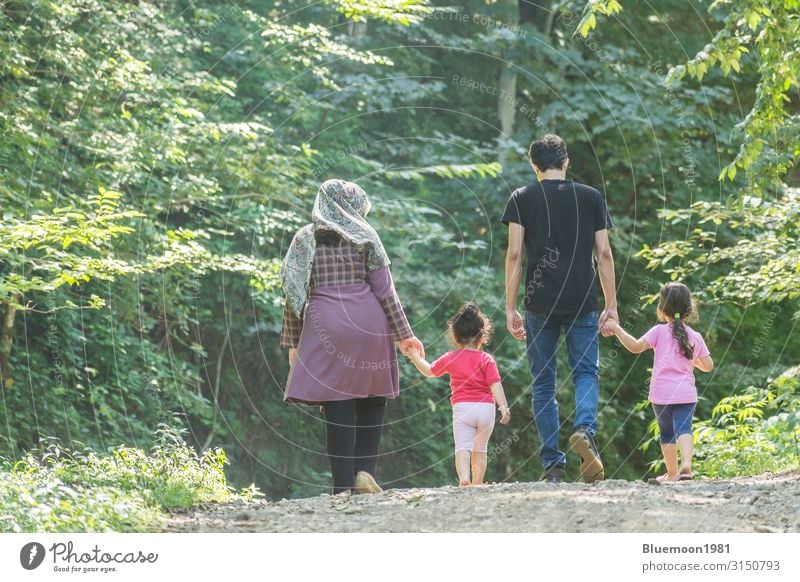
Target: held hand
[(611, 327), (292, 356), (412, 342), (608, 314), (505, 417), (515, 324)]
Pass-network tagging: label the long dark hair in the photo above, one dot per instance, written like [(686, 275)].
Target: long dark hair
[(676, 302), (469, 324)]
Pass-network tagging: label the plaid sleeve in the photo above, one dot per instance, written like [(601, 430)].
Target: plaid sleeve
[(398, 322), (292, 326), (380, 280)]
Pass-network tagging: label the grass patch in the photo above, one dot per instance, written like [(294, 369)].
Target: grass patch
[(128, 489)]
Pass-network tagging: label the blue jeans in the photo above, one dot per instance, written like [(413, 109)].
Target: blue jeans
[(583, 346)]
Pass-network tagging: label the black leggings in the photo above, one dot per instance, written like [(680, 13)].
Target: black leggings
[(353, 429)]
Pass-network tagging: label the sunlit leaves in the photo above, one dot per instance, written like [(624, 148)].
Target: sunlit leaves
[(447, 171), (398, 11), (72, 245), (594, 7), (311, 47), (765, 127), (761, 264)]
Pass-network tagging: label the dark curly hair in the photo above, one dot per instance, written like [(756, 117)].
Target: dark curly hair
[(676, 302), (549, 152), (470, 324)]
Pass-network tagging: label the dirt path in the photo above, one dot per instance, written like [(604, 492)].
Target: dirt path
[(754, 504)]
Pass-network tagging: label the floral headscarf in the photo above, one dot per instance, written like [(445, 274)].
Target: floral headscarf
[(340, 207)]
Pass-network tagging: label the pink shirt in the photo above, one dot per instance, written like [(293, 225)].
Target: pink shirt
[(673, 374), (472, 372)]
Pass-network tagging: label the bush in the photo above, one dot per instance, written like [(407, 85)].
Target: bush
[(753, 432), (56, 490)]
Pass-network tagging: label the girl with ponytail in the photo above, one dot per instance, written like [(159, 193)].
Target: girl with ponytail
[(678, 350), (475, 389)]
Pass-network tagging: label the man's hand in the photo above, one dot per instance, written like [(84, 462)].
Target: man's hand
[(411, 342), (515, 324), (608, 280), (609, 313), (292, 356), (516, 238)]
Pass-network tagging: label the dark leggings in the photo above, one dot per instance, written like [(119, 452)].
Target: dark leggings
[(673, 420), (353, 429)]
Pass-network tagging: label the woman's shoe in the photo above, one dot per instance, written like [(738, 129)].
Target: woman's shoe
[(365, 483)]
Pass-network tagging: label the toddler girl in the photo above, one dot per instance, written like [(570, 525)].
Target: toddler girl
[(475, 387), (678, 350)]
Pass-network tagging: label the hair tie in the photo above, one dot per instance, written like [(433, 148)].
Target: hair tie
[(677, 316)]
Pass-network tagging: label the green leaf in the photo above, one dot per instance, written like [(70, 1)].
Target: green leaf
[(587, 24)]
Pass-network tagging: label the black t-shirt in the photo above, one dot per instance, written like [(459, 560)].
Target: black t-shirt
[(560, 218)]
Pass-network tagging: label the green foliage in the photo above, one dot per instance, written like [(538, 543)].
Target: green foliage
[(758, 238), (588, 21), (769, 29), (68, 246), (755, 253), (58, 490), (741, 247), (753, 432), (399, 11), (206, 128)]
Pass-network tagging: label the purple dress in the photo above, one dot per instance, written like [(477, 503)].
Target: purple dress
[(346, 339)]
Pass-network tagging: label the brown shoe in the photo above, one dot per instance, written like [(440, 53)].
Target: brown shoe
[(591, 466), (365, 483)]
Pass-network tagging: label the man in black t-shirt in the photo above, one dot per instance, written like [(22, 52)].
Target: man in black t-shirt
[(563, 225)]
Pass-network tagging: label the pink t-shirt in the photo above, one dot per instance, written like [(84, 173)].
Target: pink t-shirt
[(673, 374), (472, 372)]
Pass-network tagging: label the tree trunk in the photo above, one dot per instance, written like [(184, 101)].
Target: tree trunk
[(540, 14), (506, 110), (357, 29), (7, 337), (220, 358), (506, 104)]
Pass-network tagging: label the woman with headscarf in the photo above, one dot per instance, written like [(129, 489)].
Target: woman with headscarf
[(341, 320)]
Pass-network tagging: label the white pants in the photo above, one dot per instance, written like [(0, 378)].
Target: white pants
[(473, 423)]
